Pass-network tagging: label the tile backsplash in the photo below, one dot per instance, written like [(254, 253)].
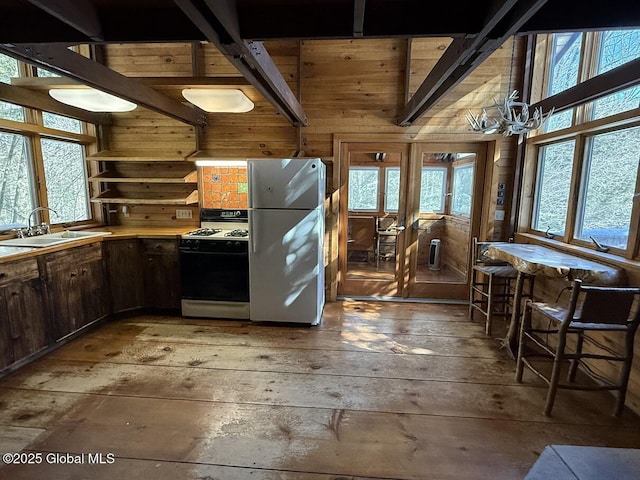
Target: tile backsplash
[(223, 187)]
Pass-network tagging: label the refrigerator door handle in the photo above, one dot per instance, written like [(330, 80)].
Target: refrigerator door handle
[(254, 232), (249, 176)]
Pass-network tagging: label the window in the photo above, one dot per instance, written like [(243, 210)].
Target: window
[(462, 190), (586, 179), (51, 120), (563, 74), (364, 189), (65, 174), (433, 183), (555, 163), (608, 187), (617, 48), (32, 153), (17, 196), (8, 69)]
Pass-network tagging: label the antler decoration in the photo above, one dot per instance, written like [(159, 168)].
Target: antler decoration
[(509, 117)]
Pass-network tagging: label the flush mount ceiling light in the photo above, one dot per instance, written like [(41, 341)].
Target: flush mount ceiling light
[(91, 99), (508, 118), (221, 100)]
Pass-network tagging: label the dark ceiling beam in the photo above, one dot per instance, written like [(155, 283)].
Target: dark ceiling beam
[(45, 83), (465, 54), (614, 80), (61, 60), (219, 23), (358, 18), (30, 99), (79, 14)]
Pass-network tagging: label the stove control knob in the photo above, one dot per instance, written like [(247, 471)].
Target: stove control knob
[(238, 213), (229, 243), (237, 244)]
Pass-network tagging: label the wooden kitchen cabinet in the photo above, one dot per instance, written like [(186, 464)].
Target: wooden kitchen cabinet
[(124, 275), (75, 288), (161, 274), (23, 320)]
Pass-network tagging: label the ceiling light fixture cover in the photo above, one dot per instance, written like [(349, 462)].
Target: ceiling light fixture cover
[(220, 100), (91, 99)]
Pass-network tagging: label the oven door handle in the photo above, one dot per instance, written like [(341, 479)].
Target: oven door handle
[(225, 254)]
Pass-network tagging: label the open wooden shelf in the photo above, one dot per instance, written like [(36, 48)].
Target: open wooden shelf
[(115, 156), (148, 172), (145, 180), (147, 198)]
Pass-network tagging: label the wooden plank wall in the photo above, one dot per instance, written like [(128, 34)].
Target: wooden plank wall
[(346, 88)]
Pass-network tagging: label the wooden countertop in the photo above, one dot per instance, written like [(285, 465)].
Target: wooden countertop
[(9, 253), (539, 260)]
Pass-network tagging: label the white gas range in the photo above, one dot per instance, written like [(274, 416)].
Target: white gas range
[(214, 266)]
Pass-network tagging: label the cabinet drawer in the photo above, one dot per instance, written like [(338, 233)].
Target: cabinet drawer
[(19, 271), (73, 256), (159, 246)]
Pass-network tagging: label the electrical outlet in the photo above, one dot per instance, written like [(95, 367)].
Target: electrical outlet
[(183, 213)]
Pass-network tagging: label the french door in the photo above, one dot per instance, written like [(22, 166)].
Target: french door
[(407, 214)]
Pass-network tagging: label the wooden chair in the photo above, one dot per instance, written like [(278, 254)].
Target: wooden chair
[(590, 309), (386, 238), (490, 284)]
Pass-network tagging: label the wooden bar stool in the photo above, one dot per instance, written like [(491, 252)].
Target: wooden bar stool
[(590, 309), (490, 285)]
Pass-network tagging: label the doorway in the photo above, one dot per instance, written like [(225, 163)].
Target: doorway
[(410, 211)]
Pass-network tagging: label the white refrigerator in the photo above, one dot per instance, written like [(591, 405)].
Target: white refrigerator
[(286, 235)]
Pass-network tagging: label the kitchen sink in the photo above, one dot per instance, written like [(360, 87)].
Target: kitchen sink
[(50, 239)]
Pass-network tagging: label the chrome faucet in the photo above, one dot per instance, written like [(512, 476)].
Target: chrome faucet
[(41, 229)]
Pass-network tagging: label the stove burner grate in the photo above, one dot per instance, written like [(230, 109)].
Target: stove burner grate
[(206, 231), (237, 233)]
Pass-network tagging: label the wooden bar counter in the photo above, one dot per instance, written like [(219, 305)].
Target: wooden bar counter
[(530, 260)]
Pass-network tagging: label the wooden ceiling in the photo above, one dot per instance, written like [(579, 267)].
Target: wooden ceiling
[(38, 31), (122, 21)]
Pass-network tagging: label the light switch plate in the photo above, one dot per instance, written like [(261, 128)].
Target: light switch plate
[(183, 213), (499, 215)]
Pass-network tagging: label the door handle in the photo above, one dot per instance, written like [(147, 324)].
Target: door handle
[(253, 232)]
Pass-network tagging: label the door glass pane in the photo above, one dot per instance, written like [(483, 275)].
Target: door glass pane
[(555, 163), (66, 178), (444, 227), (433, 184), (392, 189), (16, 192), (363, 188), (608, 187), (462, 190), (565, 64)]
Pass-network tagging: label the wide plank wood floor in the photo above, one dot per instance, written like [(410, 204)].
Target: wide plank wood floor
[(378, 391)]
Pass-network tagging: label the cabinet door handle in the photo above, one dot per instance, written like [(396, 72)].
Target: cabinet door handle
[(84, 271), (73, 274)]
